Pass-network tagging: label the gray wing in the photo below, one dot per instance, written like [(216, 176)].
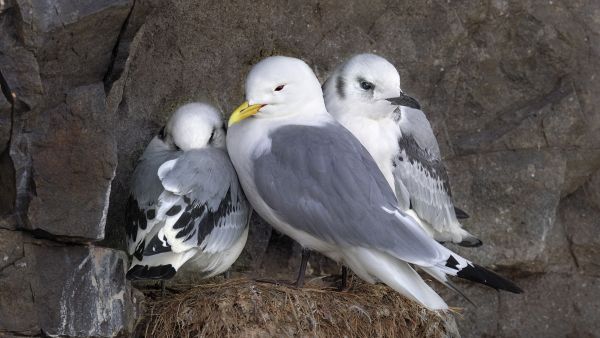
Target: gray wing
[(202, 206), (419, 169), (142, 205), (322, 181)]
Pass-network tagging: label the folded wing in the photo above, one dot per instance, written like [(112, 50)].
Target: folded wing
[(324, 182)]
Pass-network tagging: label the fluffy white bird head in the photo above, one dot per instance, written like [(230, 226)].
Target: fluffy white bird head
[(279, 86), (365, 85), (193, 126)]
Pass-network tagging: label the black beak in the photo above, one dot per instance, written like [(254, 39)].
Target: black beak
[(404, 100)]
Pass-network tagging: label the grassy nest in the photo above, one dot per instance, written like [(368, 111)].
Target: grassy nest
[(246, 308)]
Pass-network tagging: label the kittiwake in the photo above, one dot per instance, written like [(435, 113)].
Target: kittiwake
[(312, 180), (364, 95), (186, 205)]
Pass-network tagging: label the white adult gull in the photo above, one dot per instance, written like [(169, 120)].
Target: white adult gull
[(312, 180), (364, 95), (186, 205)]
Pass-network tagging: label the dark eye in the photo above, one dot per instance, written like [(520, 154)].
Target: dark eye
[(279, 88), (366, 85)]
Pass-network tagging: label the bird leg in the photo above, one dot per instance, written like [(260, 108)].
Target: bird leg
[(302, 271), (344, 281), (299, 282), (162, 288)]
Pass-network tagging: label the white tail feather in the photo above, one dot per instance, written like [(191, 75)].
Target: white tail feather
[(436, 273), (454, 233), (372, 264), (424, 225)]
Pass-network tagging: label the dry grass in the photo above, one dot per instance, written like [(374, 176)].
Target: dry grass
[(246, 308)]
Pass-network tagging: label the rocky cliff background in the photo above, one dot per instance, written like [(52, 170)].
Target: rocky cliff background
[(511, 88)]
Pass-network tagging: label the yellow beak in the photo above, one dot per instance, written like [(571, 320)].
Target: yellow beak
[(243, 111)]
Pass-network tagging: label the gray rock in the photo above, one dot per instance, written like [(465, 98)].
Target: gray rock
[(74, 158), (581, 164), (64, 35), (580, 219), (553, 305), (57, 173), (479, 321), (512, 198), (17, 307), (592, 189), (68, 291), (83, 291), (54, 48), (7, 184), (20, 69), (557, 305), (11, 247)]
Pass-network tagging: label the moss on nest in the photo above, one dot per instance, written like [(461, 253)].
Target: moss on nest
[(246, 308)]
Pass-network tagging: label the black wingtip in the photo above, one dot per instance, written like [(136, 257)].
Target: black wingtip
[(460, 214), (139, 272), (484, 276)]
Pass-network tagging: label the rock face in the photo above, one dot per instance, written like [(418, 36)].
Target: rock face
[(92, 299), (66, 132), (510, 88), (75, 157), (64, 290), (56, 169), (511, 213)]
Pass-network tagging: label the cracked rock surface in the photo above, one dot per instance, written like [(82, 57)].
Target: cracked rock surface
[(61, 290), (511, 90), (58, 159)]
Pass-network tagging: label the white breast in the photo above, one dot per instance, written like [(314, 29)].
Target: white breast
[(249, 140), (380, 138)]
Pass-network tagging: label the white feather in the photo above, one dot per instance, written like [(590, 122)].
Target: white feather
[(371, 264)]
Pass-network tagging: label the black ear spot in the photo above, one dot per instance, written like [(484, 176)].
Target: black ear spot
[(340, 86), (279, 88)]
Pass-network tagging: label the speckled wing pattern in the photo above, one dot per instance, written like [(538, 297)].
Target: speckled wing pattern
[(203, 205), (142, 204), (201, 210), (419, 171)]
